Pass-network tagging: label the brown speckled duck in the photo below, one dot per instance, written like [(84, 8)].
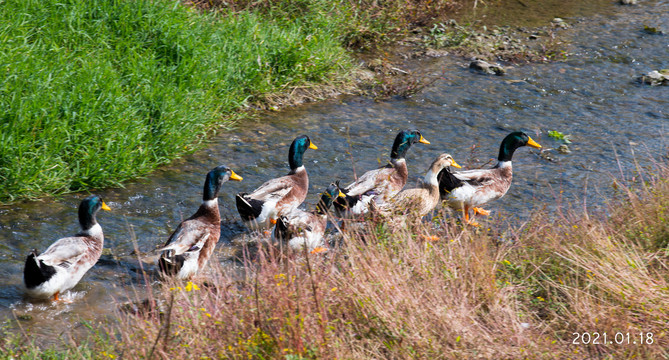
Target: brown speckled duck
[(381, 184), (65, 262), (264, 205), (465, 190), (298, 228), (423, 199), (190, 246)]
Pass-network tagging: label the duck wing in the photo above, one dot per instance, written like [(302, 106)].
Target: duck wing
[(377, 180), (65, 252), (477, 178), (274, 189), (190, 235)]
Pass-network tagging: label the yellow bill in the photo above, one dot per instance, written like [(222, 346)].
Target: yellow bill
[(312, 146), (234, 176), (105, 207), (422, 140), (455, 165), (341, 194), (533, 143)]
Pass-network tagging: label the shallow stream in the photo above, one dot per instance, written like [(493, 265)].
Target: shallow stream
[(615, 123)]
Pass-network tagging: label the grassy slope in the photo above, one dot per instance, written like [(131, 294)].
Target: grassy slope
[(94, 93), (392, 293)]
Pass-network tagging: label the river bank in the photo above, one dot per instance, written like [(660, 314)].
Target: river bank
[(580, 286), (148, 90), (618, 139)]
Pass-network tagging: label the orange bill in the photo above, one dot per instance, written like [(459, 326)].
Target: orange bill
[(234, 176), (533, 143)]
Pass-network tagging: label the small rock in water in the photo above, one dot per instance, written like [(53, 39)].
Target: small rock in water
[(546, 155), (557, 22), (628, 2), (653, 30), (564, 149), (655, 78), (486, 68)]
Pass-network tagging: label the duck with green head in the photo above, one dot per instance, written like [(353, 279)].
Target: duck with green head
[(190, 246), (381, 184), (65, 262), (298, 228), (264, 205), (465, 190)]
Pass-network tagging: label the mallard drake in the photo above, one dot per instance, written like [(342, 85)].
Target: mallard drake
[(381, 184), (299, 228), (190, 246), (65, 262), (423, 199), (265, 204), (469, 189)]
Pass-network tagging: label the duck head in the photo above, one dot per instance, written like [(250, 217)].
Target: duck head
[(216, 178), (328, 196), (87, 210), (443, 161), (512, 142), (403, 142), (297, 149)]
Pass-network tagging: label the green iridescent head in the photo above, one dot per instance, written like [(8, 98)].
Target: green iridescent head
[(297, 149), (512, 142), (403, 142)]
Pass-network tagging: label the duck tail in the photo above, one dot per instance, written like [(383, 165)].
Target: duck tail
[(248, 208), (36, 271), (447, 182), (169, 263), (281, 229)]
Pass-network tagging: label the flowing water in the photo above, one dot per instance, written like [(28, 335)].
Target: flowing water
[(616, 125)]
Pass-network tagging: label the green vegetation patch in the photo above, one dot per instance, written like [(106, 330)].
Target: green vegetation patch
[(94, 93)]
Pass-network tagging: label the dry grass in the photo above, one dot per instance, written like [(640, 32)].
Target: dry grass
[(392, 294), (433, 290)]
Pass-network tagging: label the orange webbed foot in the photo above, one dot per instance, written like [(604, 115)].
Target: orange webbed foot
[(318, 250), (481, 211)]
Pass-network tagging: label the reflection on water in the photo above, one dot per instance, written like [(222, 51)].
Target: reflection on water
[(614, 122)]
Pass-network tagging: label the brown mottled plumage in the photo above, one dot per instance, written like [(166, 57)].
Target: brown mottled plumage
[(423, 199), (298, 228), (380, 185), (265, 204), (190, 246), (65, 262), (469, 189)]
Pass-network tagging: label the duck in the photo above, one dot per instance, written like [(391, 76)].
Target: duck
[(62, 265), (423, 199), (261, 208), (299, 229), (190, 246), (379, 185), (469, 189)]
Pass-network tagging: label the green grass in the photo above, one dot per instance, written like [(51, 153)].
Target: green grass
[(94, 93)]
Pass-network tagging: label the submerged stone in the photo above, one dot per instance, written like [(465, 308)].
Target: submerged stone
[(656, 78), (564, 149), (653, 30), (486, 68)]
